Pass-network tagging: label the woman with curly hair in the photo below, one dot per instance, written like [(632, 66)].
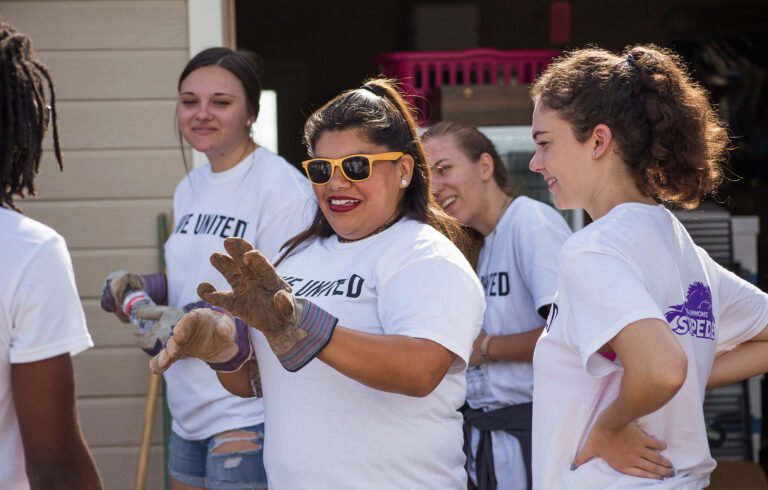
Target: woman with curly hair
[(641, 313)]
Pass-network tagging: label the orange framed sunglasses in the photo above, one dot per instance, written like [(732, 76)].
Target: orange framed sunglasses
[(355, 168)]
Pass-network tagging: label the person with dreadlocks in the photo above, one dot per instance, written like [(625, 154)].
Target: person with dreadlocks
[(42, 322)]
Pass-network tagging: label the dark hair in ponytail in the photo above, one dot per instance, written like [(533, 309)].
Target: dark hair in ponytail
[(245, 65), (24, 115), (379, 110), (665, 128)]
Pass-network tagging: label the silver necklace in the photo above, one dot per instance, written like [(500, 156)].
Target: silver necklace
[(374, 232), (503, 209)]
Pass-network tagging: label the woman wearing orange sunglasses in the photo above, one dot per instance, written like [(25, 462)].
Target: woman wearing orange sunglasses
[(366, 327)]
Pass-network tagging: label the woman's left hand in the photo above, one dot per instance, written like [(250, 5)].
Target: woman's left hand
[(476, 359), (296, 329), (628, 450), (208, 335)]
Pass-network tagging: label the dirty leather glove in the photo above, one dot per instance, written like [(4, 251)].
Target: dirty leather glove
[(296, 329), (113, 292), (119, 282), (157, 323), (212, 336)]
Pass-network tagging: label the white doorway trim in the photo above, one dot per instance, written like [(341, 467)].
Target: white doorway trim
[(211, 23)]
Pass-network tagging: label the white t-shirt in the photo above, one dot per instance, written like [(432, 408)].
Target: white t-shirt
[(635, 263), (327, 431), (518, 270), (263, 200), (40, 317)]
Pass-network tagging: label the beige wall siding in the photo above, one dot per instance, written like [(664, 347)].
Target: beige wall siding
[(116, 74), (121, 460), (116, 65), (101, 25), (101, 224), (117, 124)]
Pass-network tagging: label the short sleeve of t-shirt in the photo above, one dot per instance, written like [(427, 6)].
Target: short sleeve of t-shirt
[(605, 294), (436, 300), (48, 319), (743, 310), (542, 233)]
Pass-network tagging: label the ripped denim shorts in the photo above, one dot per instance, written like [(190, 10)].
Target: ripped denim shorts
[(230, 460)]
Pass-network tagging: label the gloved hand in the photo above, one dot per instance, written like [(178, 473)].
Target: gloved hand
[(119, 282), (114, 289), (161, 320), (209, 335), (296, 329)]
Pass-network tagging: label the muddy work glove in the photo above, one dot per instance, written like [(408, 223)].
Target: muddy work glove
[(154, 326), (120, 283), (212, 336), (296, 329)]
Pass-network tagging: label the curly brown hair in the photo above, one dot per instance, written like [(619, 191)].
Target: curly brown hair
[(24, 115), (666, 130)]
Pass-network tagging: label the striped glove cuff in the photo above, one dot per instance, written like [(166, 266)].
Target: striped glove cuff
[(244, 350), (319, 325)]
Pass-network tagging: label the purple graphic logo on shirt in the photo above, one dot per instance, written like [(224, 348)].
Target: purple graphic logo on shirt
[(694, 317)]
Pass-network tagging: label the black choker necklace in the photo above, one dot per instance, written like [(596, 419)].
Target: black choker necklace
[(374, 232)]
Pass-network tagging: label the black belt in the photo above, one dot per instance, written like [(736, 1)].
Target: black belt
[(515, 420)]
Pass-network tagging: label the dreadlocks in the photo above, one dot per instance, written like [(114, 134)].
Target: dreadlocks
[(24, 115)]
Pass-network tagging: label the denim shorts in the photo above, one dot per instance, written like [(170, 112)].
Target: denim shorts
[(231, 460)]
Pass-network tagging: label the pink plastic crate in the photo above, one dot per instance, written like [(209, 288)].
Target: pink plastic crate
[(421, 72)]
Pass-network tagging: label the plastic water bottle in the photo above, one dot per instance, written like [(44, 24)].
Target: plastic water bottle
[(135, 300)]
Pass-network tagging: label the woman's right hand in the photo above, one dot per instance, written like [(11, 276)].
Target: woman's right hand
[(113, 292), (120, 282), (627, 449), (475, 358), (259, 295)]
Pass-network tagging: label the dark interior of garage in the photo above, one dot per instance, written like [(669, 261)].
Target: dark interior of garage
[(313, 50)]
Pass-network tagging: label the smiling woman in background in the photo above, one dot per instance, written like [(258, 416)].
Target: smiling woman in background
[(518, 269)]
